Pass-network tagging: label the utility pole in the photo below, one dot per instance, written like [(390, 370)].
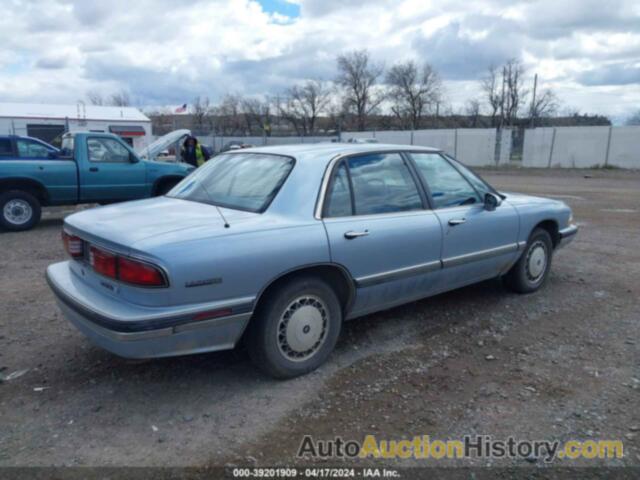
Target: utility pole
[(504, 79), (533, 101)]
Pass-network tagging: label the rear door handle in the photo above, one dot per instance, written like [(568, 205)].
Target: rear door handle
[(94, 169), (350, 235), (457, 221)]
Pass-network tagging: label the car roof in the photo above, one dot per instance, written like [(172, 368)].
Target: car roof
[(329, 150)]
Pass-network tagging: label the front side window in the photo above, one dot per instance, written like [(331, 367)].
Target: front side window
[(382, 183), (31, 149), (448, 187), (106, 150), (479, 184), (243, 181)]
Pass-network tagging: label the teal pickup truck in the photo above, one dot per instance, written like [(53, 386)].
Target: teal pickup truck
[(89, 168)]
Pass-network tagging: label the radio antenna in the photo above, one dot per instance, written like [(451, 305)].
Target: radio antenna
[(226, 224)]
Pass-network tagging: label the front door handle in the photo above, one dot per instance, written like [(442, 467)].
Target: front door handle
[(94, 169), (350, 235), (457, 221)]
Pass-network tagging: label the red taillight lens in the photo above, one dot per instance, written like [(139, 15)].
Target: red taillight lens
[(103, 262), (138, 273), (73, 245)]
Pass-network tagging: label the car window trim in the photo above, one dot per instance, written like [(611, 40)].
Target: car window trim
[(428, 188), (332, 168)]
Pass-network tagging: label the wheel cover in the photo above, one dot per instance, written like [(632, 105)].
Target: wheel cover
[(302, 328), (17, 211), (536, 264)]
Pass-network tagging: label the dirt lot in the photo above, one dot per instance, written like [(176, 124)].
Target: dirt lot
[(563, 363)]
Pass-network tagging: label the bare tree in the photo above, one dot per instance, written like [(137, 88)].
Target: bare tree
[(472, 110), (515, 96), (505, 92), (357, 75), (304, 104), (229, 117), (201, 107), (95, 98), (492, 87), (120, 99), (414, 90), (257, 115), (544, 105)]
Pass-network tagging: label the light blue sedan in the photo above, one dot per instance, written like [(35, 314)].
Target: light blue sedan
[(278, 245)]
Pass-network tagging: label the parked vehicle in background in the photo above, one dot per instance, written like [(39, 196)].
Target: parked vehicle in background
[(89, 168), (281, 244), (362, 140), (159, 148), (235, 145)]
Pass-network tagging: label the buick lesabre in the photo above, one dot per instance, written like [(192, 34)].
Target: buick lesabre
[(277, 246)]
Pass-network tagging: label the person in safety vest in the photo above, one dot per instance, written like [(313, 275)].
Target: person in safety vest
[(193, 153)]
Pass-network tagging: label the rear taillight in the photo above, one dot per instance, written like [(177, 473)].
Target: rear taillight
[(103, 262), (139, 273), (73, 245)]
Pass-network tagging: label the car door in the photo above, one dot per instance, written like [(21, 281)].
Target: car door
[(44, 164), (380, 230), (477, 243), (109, 174)]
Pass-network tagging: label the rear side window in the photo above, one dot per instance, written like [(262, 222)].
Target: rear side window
[(31, 149), (382, 183), (339, 198), (5, 147)]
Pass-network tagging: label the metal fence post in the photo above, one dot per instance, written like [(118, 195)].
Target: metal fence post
[(606, 158), (455, 143), (411, 137), (553, 142)]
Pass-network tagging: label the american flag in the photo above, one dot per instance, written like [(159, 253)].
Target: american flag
[(181, 109)]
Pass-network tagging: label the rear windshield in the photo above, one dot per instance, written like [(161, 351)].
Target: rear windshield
[(66, 149), (242, 181)]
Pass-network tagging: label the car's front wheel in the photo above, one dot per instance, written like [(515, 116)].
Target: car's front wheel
[(532, 269), (295, 329)]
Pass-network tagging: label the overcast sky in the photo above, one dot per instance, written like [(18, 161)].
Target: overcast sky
[(54, 51)]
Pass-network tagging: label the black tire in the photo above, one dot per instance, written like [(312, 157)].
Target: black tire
[(19, 210), (532, 270), (267, 337)]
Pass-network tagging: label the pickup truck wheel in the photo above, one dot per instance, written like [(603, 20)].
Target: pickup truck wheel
[(19, 210), (532, 269), (296, 328)]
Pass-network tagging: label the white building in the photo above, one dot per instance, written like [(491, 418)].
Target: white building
[(49, 122)]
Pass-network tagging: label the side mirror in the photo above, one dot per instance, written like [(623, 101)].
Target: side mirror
[(133, 158), (491, 201)]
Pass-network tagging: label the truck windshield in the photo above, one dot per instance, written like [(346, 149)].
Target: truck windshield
[(242, 181)]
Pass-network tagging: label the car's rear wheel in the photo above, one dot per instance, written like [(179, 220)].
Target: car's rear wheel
[(532, 269), (19, 210), (296, 327)]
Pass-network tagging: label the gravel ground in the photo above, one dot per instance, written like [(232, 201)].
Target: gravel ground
[(563, 363)]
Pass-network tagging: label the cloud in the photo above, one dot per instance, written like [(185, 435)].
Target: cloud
[(612, 74), (56, 50), (52, 63)]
